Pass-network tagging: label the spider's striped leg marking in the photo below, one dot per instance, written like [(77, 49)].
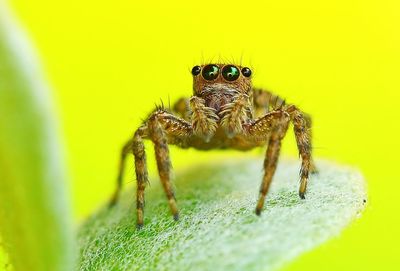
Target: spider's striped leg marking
[(164, 127), (141, 171), (159, 127), (308, 120), (275, 124), (302, 134), (124, 152), (265, 101)]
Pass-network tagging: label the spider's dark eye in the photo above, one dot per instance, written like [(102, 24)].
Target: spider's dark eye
[(230, 73), (196, 70), (246, 72), (210, 72)]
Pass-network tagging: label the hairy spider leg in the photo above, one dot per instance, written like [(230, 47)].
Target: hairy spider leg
[(302, 135), (126, 149), (162, 128), (265, 101), (161, 150), (141, 172), (308, 120), (275, 124)]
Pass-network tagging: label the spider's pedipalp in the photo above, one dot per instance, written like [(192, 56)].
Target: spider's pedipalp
[(204, 119), (234, 115)]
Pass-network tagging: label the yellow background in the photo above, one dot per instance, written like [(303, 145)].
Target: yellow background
[(110, 61)]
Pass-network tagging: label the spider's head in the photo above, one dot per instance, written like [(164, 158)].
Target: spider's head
[(218, 84)]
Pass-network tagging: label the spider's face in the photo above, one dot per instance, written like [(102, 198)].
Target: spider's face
[(218, 84)]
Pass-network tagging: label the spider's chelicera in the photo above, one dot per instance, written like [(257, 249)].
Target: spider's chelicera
[(225, 111)]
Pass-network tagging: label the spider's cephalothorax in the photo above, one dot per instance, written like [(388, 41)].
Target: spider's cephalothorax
[(219, 84), (225, 111)]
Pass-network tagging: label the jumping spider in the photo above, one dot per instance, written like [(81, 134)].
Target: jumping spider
[(225, 111)]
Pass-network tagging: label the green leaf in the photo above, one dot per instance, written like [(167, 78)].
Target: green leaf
[(218, 229), (35, 223)]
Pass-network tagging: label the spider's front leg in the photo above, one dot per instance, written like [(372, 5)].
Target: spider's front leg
[(302, 132), (161, 128), (265, 101), (274, 124)]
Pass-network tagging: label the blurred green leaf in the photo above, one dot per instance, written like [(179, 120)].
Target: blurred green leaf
[(34, 218), (218, 229)]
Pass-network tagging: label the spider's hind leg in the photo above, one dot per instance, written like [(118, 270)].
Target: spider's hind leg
[(308, 123), (164, 128), (127, 148), (181, 107)]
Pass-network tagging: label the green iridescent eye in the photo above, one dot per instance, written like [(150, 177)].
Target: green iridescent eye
[(230, 72), (210, 72)]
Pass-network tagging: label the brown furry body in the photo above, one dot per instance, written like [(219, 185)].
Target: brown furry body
[(221, 114)]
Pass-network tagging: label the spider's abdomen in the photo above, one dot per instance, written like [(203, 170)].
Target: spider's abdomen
[(220, 140)]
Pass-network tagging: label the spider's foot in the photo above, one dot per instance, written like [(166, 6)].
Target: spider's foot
[(176, 216), (113, 201), (303, 187), (139, 226), (111, 204), (260, 203)]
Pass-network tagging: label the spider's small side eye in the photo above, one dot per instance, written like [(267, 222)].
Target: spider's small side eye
[(230, 73), (210, 72), (246, 72), (196, 70)]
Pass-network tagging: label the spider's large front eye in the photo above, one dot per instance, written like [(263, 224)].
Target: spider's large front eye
[(230, 73), (196, 70), (210, 72)]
